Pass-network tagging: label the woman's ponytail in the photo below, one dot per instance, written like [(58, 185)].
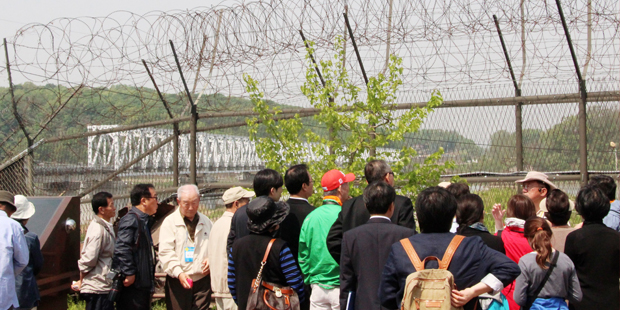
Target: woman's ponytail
[(538, 234)]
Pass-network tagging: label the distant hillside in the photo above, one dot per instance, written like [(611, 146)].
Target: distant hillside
[(126, 105), (122, 105)]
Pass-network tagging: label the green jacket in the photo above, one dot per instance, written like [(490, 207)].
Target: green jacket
[(317, 265)]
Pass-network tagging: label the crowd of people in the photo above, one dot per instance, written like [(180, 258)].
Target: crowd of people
[(360, 252)]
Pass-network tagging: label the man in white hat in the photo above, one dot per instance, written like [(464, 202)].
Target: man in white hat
[(25, 283), (14, 254), (234, 198), (536, 186)]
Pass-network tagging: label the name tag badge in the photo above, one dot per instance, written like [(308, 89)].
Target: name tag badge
[(189, 254)]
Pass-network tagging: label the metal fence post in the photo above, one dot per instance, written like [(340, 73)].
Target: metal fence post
[(30, 172), (193, 123), (175, 156), (373, 134), (175, 128), (518, 105), (583, 139)]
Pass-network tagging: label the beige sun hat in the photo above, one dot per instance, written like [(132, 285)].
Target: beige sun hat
[(25, 208), (233, 194), (537, 176)]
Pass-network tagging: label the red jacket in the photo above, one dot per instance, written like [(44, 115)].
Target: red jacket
[(516, 245)]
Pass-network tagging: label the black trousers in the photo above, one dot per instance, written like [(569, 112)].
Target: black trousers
[(97, 301), (306, 304), (132, 298), (196, 298)]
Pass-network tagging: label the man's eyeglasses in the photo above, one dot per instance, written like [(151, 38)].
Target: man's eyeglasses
[(530, 187), (391, 172)]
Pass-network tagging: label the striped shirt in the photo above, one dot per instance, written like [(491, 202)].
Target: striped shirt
[(287, 265)]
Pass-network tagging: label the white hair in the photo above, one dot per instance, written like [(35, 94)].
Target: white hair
[(187, 188)]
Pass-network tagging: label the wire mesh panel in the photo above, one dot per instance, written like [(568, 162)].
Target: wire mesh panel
[(449, 46), (603, 135), (14, 178)]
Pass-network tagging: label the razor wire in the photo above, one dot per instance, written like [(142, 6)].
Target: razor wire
[(444, 44)]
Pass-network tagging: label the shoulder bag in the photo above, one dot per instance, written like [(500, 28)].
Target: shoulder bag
[(269, 296), (531, 298)]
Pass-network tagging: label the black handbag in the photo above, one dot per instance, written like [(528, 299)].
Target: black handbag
[(531, 298), (269, 296)]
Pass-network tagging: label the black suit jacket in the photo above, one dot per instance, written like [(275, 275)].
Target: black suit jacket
[(595, 251), (354, 213), (492, 241), (365, 249), (291, 226)]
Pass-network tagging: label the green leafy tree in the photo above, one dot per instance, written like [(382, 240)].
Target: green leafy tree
[(357, 122)]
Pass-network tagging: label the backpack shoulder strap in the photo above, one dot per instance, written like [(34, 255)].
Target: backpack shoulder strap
[(413, 256), (447, 256)]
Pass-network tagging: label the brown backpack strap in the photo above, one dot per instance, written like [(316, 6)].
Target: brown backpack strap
[(447, 257), (268, 249), (413, 256)]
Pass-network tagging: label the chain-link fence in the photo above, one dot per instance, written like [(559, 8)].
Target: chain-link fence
[(14, 177), (103, 81), (116, 161)]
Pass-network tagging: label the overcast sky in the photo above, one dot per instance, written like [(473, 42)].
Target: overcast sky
[(16, 14)]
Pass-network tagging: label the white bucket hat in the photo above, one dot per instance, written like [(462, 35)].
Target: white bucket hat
[(25, 208), (537, 176)]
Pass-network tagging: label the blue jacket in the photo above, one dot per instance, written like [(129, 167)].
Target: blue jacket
[(26, 283), (612, 220), (471, 262)]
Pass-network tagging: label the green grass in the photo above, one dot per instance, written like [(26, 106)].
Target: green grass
[(75, 303)]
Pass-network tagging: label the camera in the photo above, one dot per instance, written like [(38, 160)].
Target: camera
[(117, 278)]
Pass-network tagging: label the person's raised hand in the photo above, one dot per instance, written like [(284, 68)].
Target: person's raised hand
[(498, 215), (498, 212)]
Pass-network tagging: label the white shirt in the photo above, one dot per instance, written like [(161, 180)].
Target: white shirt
[(298, 198), (13, 259)]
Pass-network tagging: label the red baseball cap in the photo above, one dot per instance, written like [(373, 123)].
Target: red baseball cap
[(332, 179)]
